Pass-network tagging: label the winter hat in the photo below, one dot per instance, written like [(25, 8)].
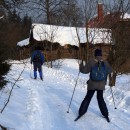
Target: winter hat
[(38, 48), (98, 52)]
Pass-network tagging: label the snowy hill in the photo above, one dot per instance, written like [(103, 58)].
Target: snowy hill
[(42, 105)]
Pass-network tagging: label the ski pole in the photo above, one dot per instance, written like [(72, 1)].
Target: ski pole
[(42, 73), (113, 97), (30, 71), (73, 92)]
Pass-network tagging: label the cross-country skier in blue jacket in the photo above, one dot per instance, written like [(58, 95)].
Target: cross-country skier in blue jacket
[(37, 58)]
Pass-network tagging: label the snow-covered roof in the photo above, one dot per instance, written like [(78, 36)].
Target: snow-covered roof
[(68, 35), (23, 42), (126, 16)]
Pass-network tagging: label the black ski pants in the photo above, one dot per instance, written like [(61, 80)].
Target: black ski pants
[(101, 103), (37, 66)]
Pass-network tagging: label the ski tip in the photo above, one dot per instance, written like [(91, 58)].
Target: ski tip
[(108, 120), (77, 118)]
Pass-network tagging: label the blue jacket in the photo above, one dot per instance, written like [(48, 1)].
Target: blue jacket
[(41, 56)]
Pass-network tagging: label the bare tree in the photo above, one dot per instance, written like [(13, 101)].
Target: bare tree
[(71, 13), (58, 12), (119, 51), (89, 10), (45, 8)]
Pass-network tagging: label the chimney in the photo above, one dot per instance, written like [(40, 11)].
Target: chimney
[(100, 11)]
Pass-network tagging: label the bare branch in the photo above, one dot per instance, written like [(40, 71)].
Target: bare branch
[(12, 89)]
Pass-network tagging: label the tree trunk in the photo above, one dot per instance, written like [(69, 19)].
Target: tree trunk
[(87, 43), (112, 79), (51, 55), (48, 12)]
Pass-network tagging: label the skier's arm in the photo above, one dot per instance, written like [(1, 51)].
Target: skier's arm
[(85, 68), (109, 69), (32, 57)]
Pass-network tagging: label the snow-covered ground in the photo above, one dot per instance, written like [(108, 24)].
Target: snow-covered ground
[(43, 105)]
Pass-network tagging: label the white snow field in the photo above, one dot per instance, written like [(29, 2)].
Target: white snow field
[(43, 105)]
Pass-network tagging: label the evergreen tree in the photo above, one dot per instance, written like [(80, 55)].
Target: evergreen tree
[(12, 30)]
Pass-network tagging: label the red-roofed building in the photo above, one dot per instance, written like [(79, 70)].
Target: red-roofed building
[(99, 19), (103, 20)]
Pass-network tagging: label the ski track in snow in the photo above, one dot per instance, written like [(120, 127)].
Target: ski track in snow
[(48, 101), (56, 98), (33, 108)]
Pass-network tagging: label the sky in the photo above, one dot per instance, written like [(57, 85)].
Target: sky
[(43, 105)]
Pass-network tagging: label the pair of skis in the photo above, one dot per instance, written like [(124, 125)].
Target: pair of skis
[(36, 78), (107, 118)]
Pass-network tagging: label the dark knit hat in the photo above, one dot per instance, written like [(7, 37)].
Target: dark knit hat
[(38, 48), (98, 52)]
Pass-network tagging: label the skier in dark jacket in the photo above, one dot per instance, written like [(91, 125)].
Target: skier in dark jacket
[(37, 58), (93, 86)]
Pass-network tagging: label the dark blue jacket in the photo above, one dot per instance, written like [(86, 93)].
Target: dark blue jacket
[(41, 56)]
